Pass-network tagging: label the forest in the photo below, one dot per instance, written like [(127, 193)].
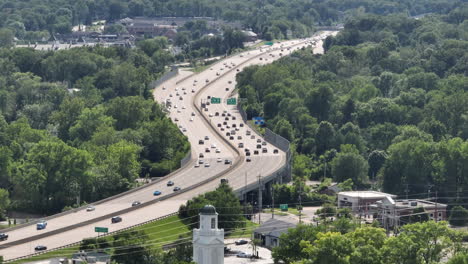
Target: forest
[(82, 124), (33, 20), (385, 106)]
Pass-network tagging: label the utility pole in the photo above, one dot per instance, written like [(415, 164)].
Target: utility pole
[(436, 216), (406, 191), (259, 198), (272, 203), (300, 203)]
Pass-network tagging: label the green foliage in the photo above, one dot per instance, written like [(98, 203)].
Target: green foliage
[(458, 216), (461, 258)]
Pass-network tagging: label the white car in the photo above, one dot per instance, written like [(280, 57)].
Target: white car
[(183, 107), (164, 88), (177, 89), (191, 119), (213, 145), (218, 150), (90, 208), (197, 165), (178, 110), (219, 160), (184, 129), (207, 165), (210, 115), (175, 106)]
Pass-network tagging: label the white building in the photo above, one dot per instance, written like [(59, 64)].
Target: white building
[(359, 201), (208, 240)]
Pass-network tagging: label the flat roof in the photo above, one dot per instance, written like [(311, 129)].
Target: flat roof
[(366, 194), (418, 203)]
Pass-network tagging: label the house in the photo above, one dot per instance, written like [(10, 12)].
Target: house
[(270, 231), (392, 213), (250, 36), (359, 201)]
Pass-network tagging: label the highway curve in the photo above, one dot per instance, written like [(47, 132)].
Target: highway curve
[(63, 229)]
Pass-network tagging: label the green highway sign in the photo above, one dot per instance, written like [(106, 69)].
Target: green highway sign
[(101, 229), (215, 100), (232, 101), (269, 43), (284, 207)]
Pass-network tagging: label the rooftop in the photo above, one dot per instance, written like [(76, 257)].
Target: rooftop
[(417, 203), (274, 227), (366, 194)]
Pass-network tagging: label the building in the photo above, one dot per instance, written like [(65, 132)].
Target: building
[(270, 231), (91, 257), (250, 36), (359, 201), (393, 213), (208, 240)]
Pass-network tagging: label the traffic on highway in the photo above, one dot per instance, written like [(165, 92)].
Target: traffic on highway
[(222, 146)]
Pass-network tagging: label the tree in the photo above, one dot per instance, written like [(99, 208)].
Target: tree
[(328, 248), (376, 160), (4, 202), (461, 258), (6, 38), (131, 247), (325, 137), (349, 164), (458, 216)]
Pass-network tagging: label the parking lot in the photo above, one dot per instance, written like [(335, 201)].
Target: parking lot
[(264, 254)]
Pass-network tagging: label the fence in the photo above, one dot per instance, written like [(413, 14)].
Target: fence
[(168, 75)]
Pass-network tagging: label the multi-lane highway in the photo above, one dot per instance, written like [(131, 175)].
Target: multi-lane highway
[(206, 129)]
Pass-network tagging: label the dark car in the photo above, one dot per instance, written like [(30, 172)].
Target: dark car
[(201, 142), (3, 236), (259, 140), (226, 118), (227, 89), (226, 161), (224, 181), (234, 125), (40, 248), (248, 160), (219, 125), (231, 137), (247, 153), (223, 114), (116, 219), (233, 118), (264, 150), (217, 114), (224, 123), (241, 242), (228, 114), (264, 143), (136, 203), (275, 151), (259, 146), (207, 150), (176, 189), (170, 183), (239, 137), (255, 152), (228, 134), (241, 145), (241, 125)]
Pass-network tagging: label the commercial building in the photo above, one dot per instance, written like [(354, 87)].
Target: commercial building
[(392, 213), (359, 201), (270, 231)]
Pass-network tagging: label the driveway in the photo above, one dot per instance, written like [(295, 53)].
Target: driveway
[(263, 253)]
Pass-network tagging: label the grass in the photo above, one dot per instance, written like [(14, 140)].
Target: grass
[(200, 68), (159, 232), (243, 232)]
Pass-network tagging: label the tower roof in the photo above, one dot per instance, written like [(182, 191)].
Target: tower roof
[(208, 210)]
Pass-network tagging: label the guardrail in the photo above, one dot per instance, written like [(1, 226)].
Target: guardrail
[(79, 242)]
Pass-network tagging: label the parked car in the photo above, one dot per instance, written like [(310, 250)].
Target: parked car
[(241, 242), (244, 255), (116, 219)]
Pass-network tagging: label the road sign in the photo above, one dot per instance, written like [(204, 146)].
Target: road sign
[(101, 229), (215, 100), (269, 43), (299, 207), (258, 121), (284, 207), (232, 101)]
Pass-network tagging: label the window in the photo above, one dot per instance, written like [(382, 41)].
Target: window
[(432, 215), (213, 223), (440, 214)]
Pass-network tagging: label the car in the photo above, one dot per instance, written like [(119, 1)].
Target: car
[(208, 103), (228, 114), (42, 224), (170, 183), (213, 146), (223, 114), (201, 155), (220, 125), (234, 125), (181, 98), (229, 82), (176, 189), (217, 114), (90, 208), (170, 95), (264, 143), (241, 145), (40, 248), (3, 236), (210, 115), (226, 118), (176, 119), (184, 129), (222, 129), (201, 142), (243, 255), (136, 203), (217, 74), (207, 80), (233, 118), (197, 165), (259, 146), (164, 88), (233, 132), (247, 153), (228, 126), (255, 152), (239, 137), (207, 138), (191, 119), (225, 123), (241, 242), (178, 111), (241, 125), (218, 150), (227, 89), (177, 89), (226, 161), (116, 219), (183, 107), (231, 137), (237, 70), (193, 113), (228, 134), (207, 150), (200, 161), (208, 97), (252, 137), (219, 160), (248, 132), (156, 193), (259, 140), (275, 151), (246, 149), (248, 160), (264, 150)]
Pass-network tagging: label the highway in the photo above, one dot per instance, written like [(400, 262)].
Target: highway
[(196, 127)]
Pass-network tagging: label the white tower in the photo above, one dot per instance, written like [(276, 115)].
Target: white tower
[(208, 240)]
